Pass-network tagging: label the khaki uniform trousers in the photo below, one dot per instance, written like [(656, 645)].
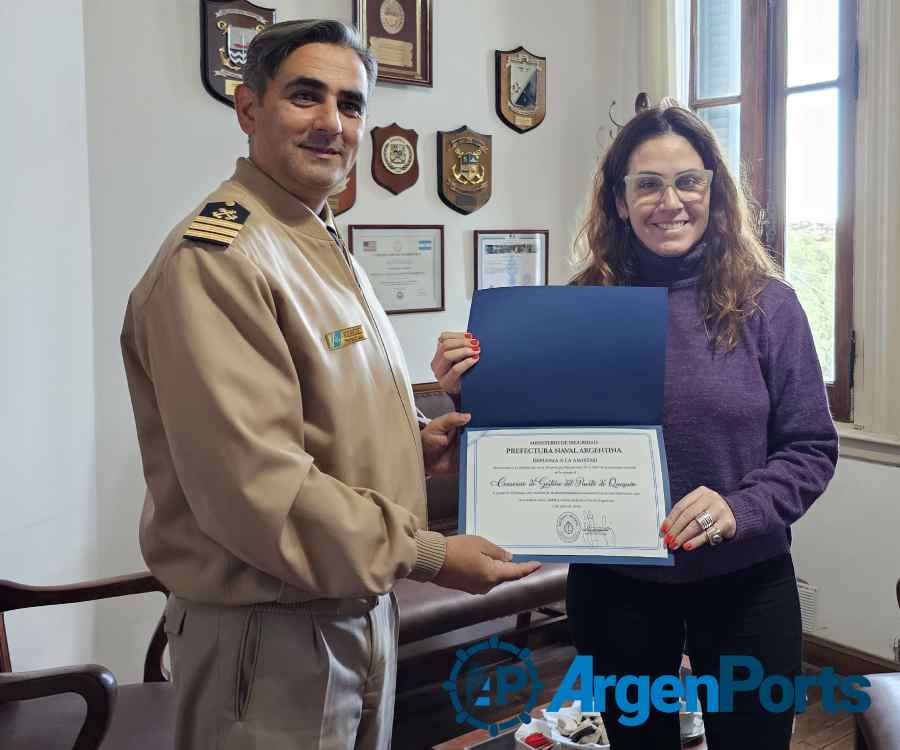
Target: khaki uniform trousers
[(314, 676)]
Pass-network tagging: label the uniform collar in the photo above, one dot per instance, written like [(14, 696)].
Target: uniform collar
[(285, 206)]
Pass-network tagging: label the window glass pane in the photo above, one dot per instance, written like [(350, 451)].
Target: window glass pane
[(812, 41), (811, 211), (725, 122), (718, 48)]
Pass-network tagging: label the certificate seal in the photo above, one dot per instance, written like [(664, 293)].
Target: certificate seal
[(568, 527)]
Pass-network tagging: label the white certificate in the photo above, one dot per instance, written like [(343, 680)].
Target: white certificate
[(579, 494), (404, 265)]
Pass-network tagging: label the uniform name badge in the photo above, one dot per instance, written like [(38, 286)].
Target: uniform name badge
[(344, 337)]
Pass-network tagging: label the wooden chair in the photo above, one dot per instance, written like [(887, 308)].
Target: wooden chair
[(878, 727), (45, 709)]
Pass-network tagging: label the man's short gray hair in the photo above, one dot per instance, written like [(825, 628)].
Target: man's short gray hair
[(270, 47)]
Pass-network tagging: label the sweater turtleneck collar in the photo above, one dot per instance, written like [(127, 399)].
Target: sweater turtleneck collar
[(669, 271)]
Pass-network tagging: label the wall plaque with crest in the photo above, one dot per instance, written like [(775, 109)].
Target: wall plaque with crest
[(521, 88), (344, 195), (399, 34), (464, 169), (395, 165), (226, 28)]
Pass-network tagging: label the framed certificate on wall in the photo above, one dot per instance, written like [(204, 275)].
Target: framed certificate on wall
[(405, 264), (399, 34), (511, 257)]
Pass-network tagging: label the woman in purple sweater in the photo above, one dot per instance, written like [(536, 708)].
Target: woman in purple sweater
[(749, 438)]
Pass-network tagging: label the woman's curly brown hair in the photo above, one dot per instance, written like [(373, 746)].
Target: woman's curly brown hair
[(735, 267)]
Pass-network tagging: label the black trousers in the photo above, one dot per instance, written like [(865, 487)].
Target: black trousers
[(635, 627)]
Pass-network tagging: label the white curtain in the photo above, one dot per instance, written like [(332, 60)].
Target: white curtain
[(877, 220), (664, 49)]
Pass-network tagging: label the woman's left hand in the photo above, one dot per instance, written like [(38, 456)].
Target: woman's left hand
[(683, 530)]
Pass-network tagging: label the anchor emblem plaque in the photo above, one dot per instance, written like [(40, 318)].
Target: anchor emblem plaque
[(464, 169)]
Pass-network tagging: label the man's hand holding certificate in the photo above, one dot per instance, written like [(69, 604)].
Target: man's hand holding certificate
[(563, 459)]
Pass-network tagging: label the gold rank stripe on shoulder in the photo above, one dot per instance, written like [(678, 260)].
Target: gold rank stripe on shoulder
[(218, 223), (344, 337)]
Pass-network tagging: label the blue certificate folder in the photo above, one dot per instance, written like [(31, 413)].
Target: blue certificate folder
[(565, 356)]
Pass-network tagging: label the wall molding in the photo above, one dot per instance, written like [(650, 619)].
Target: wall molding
[(845, 660)]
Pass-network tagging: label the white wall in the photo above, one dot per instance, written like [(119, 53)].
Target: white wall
[(159, 143), (47, 459), (847, 546), (540, 177)]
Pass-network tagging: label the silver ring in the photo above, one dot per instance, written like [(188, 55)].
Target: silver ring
[(714, 536), (705, 520)]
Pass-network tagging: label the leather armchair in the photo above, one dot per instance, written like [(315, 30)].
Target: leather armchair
[(428, 610), (878, 727), (45, 709)]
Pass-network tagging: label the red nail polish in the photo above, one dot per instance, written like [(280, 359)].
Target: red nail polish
[(476, 347), (674, 547), (469, 336), (669, 540), (688, 546), (664, 528)]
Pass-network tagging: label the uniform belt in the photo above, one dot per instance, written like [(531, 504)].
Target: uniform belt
[(358, 606)]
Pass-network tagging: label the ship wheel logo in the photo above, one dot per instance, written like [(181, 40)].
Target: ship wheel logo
[(485, 688)]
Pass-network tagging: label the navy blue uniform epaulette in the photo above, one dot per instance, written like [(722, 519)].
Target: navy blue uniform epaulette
[(218, 223)]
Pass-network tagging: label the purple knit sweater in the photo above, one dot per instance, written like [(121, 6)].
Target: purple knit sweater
[(753, 425)]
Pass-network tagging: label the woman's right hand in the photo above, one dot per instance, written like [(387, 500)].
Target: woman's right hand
[(456, 353)]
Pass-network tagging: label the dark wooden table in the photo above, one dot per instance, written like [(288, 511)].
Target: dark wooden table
[(479, 735)]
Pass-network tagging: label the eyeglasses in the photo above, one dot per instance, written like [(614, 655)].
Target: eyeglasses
[(690, 186)]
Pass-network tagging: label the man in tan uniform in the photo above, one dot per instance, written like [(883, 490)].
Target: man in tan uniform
[(280, 443)]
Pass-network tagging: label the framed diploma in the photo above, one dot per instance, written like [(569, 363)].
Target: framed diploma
[(511, 258), (567, 494), (404, 263), (399, 34)]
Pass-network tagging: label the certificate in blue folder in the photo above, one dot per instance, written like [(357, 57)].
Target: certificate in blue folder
[(563, 459)]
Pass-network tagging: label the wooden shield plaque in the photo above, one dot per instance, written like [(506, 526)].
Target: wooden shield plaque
[(344, 196), (521, 88), (464, 169), (395, 165), (227, 28)]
